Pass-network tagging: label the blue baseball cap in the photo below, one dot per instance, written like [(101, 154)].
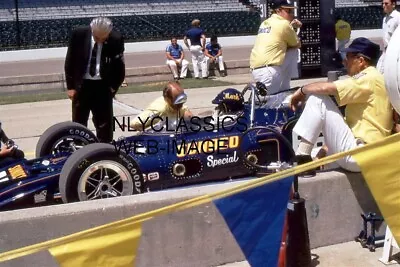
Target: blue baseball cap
[(365, 47), (282, 3)]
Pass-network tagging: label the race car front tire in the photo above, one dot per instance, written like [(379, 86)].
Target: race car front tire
[(60, 132), (98, 171)]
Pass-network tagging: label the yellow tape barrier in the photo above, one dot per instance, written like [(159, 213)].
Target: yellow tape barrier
[(137, 219)]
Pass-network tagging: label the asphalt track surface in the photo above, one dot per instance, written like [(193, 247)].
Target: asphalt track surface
[(27, 121), (132, 60)]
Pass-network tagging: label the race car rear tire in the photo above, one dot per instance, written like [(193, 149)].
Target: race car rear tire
[(55, 135), (85, 174)]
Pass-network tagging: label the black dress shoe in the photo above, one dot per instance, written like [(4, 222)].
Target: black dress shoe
[(303, 159)]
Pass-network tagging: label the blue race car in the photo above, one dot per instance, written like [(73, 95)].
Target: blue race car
[(72, 165)]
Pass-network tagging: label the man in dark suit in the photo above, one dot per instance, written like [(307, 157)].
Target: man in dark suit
[(94, 71)]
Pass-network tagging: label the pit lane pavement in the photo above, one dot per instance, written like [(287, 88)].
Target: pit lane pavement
[(25, 122)]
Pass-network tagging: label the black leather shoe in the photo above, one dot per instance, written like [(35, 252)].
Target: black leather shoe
[(302, 159)]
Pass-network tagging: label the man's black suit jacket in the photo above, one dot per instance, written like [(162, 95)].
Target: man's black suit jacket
[(112, 66)]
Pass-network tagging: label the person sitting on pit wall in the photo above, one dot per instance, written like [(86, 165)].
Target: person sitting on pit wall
[(175, 59), (213, 53)]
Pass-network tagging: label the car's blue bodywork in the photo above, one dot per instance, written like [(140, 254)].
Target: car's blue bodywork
[(263, 133)]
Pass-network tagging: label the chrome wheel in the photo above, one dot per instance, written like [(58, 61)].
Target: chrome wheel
[(68, 144), (104, 179)]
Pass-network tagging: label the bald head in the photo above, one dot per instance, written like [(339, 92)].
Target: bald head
[(171, 92)]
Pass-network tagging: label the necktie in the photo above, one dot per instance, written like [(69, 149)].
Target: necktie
[(92, 69)]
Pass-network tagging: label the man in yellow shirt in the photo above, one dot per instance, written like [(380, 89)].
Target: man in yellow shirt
[(273, 59), (169, 108), (368, 115), (343, 32)]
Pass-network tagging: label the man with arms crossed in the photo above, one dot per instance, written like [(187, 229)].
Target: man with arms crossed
[(273, 59)]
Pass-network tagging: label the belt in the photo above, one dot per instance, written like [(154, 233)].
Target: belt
[(256, 68)]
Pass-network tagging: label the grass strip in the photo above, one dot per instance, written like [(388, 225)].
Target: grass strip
[(25, 97)]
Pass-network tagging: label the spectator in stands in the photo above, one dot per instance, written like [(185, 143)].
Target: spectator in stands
[(168, 107), (368, 115), (94, 71), (175, 59), (197, 45), (343, 32), (213, 53), (273, 59), (389, 25)]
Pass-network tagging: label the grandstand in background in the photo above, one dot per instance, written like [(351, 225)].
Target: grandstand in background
[(48, 23)]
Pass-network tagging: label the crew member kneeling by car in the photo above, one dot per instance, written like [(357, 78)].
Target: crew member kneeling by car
[(10, 151), (168, 106)]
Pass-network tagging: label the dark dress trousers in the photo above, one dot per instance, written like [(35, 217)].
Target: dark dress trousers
[(94, 95)]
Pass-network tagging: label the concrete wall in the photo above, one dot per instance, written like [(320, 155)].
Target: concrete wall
[(137, 47), (195, 237)]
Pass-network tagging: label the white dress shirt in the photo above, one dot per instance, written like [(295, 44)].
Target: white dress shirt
[(390, 23), (98, 57)]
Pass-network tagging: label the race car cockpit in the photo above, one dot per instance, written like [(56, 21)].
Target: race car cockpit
[(229, 106)]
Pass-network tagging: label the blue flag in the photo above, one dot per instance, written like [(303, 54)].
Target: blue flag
[(256, 218)]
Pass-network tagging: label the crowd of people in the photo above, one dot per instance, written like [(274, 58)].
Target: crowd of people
[(95, 70)]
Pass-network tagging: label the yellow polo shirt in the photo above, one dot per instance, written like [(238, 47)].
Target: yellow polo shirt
[(368, 111), (157, 108), (343, 30), (275, 35)]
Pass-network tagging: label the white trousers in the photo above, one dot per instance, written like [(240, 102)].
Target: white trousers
[(380, 66), (322, 115), (174, 68), (277, 78), (341, 47), (198, 61), (220, 61)]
